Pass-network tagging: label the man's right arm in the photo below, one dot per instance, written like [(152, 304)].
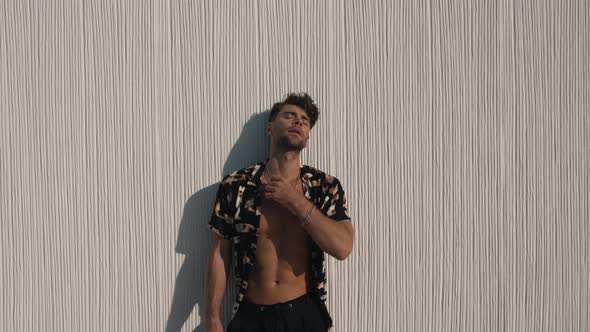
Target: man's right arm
[(217, 271)]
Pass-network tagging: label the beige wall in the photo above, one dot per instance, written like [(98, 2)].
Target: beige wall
[(460, 131)]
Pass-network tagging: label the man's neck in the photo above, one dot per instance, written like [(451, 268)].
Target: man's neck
[(286, 164)]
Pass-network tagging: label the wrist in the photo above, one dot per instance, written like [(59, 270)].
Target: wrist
[(301, 207), (306, 219)]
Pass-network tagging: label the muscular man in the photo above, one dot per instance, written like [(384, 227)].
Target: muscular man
[(280, 217)]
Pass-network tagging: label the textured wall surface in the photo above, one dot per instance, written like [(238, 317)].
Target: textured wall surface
[(460, 131)]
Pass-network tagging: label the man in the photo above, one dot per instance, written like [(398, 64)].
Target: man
[(280, 217)]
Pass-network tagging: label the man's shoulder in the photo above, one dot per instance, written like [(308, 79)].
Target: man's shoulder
[(241, 175), (315, 174)]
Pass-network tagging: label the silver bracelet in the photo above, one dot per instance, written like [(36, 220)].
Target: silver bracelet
[(306, 218)]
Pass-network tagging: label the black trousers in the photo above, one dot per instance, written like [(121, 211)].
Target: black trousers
[(303, 314)]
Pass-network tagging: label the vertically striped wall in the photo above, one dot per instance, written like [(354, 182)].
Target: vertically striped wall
[(460, 131)]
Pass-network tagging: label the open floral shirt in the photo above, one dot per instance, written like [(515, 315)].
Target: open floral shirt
[(236, 217)]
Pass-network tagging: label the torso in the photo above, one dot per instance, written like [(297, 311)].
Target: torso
[(282, 268)]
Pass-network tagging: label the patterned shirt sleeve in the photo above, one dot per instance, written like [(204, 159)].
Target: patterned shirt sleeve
[(336, 201), (221, 221)]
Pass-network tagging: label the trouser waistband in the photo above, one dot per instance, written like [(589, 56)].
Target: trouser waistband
[(301, 300)]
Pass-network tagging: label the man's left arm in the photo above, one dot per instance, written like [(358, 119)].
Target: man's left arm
[(334, 237), (329, 225)]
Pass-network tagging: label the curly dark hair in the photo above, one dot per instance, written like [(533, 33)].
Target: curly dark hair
[(302, 100)]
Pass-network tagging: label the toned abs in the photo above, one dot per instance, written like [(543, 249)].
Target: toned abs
[(281, 272)]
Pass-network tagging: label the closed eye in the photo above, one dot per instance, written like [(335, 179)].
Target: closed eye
[(290, 115)]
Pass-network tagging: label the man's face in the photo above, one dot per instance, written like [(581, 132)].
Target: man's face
[(290, 128)]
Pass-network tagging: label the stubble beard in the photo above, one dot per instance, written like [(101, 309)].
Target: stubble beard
[(289, 145)]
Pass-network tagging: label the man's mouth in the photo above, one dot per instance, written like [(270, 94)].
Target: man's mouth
[(295, 131)]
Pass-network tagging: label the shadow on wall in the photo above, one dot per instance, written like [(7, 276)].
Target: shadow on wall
[(194, 238)]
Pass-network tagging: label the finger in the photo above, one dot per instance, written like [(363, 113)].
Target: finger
[(273, 163), (275, 169)]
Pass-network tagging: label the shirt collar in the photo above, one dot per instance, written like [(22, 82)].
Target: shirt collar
[(304, 173)]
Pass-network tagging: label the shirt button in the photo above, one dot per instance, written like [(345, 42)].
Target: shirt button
[(290, 305)]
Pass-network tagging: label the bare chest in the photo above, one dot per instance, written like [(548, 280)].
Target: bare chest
[(281, 228)]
